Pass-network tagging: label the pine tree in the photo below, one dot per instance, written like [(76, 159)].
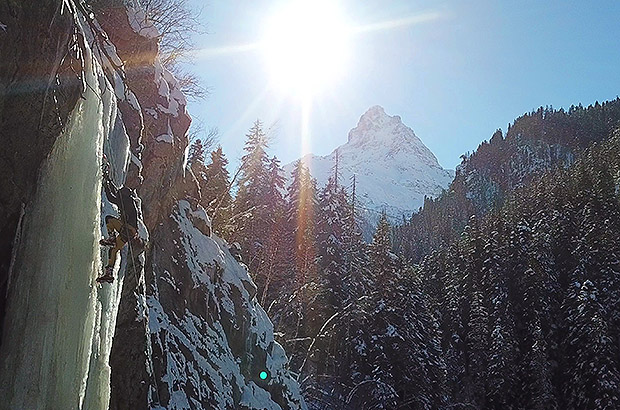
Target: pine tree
[(501, 372), (355, 249), (216, 196), (196, 152), (593, 379), (332, 292), (250, 207), (539, 373), (271, 280), (331, 225), (381, 257), (299, 243), (300, 220)]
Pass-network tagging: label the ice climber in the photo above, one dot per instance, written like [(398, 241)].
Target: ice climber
[(120, 230)]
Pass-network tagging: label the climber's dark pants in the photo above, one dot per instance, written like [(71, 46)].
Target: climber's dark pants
[(125, 233)]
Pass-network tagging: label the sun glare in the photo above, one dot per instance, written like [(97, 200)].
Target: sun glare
[(305, 46)]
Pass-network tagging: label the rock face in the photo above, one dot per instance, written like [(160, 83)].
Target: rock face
[(59, 326), (394, 170), (189, 332)]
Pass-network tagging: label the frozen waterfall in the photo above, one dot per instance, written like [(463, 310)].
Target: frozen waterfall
[(59, 323)]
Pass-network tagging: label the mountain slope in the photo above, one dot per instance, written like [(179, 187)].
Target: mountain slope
[(394, 169), (527, 296), (535, 143)]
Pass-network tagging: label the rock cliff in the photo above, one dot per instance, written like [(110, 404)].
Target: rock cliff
[(189, 332)]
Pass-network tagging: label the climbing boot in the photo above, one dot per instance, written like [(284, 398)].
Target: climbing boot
[(107, 276), (109, 241)]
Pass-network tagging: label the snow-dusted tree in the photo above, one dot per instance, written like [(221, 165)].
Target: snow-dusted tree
[(330, 291), (270, 277), (382, 260), (477, 347), (331, 241), (196, 152), (298, 275), (501, 368), (592, 376), (538, 373), (355, 249), (300, 221)]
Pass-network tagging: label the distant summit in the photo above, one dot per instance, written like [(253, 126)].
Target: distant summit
[(394, 169), (374, 118)]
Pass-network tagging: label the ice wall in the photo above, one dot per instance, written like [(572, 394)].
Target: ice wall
[(59, 323)]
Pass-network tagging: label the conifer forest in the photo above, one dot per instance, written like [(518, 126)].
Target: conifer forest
[(502, 293)]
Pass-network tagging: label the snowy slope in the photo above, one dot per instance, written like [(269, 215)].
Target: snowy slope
[(394, 169), (211, 338)]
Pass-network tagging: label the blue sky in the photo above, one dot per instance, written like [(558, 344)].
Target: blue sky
[(453, 78)]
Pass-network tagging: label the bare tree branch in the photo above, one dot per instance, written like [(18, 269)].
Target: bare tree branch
[(178, 23)]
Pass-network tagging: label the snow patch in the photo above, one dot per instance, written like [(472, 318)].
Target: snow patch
[(165, 138), (140, 24)]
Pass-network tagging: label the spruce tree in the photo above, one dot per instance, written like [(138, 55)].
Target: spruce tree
[(381, 257), (331, 225), (250, 208), (592, 376), (196, 152), (271, 279), (216, 195), (300, 220), (355, 253), (501, 372), (332, 293), (299, 243)]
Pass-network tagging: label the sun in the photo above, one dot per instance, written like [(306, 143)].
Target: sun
[(305, 46)]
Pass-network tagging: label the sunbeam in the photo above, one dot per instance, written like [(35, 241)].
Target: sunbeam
[(399, 23)]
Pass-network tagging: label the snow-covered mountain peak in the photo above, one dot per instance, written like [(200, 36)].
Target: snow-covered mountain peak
[(386, 135), (393, 168), (370, 122)]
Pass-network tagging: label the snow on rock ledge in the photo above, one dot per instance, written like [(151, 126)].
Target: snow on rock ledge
[(211, 339)]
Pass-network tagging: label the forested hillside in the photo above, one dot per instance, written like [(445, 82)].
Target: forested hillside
[(536, 142), (527, 299)]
